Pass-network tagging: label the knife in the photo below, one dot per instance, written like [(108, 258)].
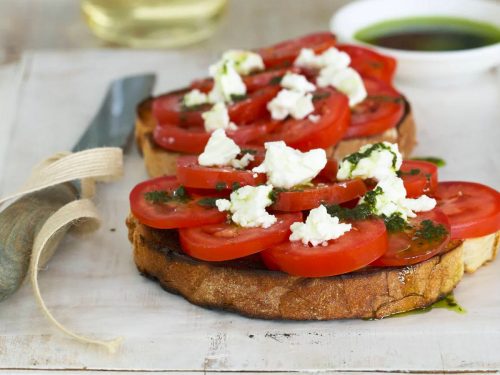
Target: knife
[(22, 220)]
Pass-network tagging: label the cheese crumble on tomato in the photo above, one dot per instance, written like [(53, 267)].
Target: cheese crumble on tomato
[(244, 62), (227, 83), (217, 118), (248, 206), (290, 103), (297, 82), (222, 151), (333, 66), (195, 97), (391, 199), (378, 161), (319, 228), (287, 167)]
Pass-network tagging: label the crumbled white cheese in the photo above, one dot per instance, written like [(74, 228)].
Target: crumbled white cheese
[(319, 228), (378, 164), (243, 162), (313, 118), (287, 102), (392, 200), (217, 118), (297, 82), (245, 62), (347, 81), (227, 83), (248, 206), (220, 150), (286, 167), (332, 57), (194, 97)]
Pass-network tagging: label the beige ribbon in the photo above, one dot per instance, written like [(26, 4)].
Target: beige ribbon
[(89, 166)]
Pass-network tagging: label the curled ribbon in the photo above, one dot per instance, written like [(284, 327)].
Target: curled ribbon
[(89, 166)]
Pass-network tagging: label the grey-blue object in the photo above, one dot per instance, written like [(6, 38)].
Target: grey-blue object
[(21, 221)]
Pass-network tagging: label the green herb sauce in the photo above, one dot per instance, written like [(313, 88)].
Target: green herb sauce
[(432, 159), (449, 303), (430, 34)]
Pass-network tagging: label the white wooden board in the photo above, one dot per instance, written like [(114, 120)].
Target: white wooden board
[(92, 285)]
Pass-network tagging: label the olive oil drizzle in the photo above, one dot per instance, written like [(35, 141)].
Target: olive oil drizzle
[(448, 302)]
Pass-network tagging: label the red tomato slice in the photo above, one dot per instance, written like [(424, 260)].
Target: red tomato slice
[(253, 82), (171, 214), (364, 243), (333, 110), (322, 192), (228, 241), (284, 53), (329, 173), (370, 63), (192, 140), (168, 109), (419, 177), (191, 174), (473, 209), (405, 249), (382, 110)]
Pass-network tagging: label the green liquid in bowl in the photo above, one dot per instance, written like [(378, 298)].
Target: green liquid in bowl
[(430, 34)]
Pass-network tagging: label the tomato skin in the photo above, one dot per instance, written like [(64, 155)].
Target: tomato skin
[(473, 209), (194, 139), (328, 193), (425, 182), (382, 110), (227, 241), (284, 53), (191, 174), (173, 214), (364, 243), (403, 250), (305, 134), (253, 82), (369, 63), (168, 109)]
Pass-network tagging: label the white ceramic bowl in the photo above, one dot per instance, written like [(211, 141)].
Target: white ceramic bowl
[(424, 67)]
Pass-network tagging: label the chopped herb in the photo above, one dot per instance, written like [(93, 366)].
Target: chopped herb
[(180, 194), (395, 223), (235, 186), (412, 172), (273, 195), (161, 196), (360, 212), (248, 151), (320, 95), (192, 108), (157, 196), (432, 159), (238, 97), (207, 202), (430, 232), (428, 177), (357, 156), (385, 98), (220, 186), (370, 198), (275, 80)]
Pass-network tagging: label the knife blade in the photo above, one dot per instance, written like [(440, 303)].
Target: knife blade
[(20, 222)]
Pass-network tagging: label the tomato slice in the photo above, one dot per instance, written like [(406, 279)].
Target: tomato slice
[(333, 110), (226, 241), (329, 172), (473, 209), (364, 243), (370, 63), (382, 110), (406, 249), (175, 213), (419, 177), (192, 140), (308, 198), (253, 82), (191, 174), (284, 53), (168, 109)]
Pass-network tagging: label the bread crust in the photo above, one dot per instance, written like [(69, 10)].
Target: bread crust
[(161, 162), (245, 287)]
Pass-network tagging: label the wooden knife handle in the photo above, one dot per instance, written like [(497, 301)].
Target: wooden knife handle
[(19, 225)]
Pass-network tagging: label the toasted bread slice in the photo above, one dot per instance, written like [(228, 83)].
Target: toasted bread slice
[(246, 287), (161, 162), (480, 251)]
